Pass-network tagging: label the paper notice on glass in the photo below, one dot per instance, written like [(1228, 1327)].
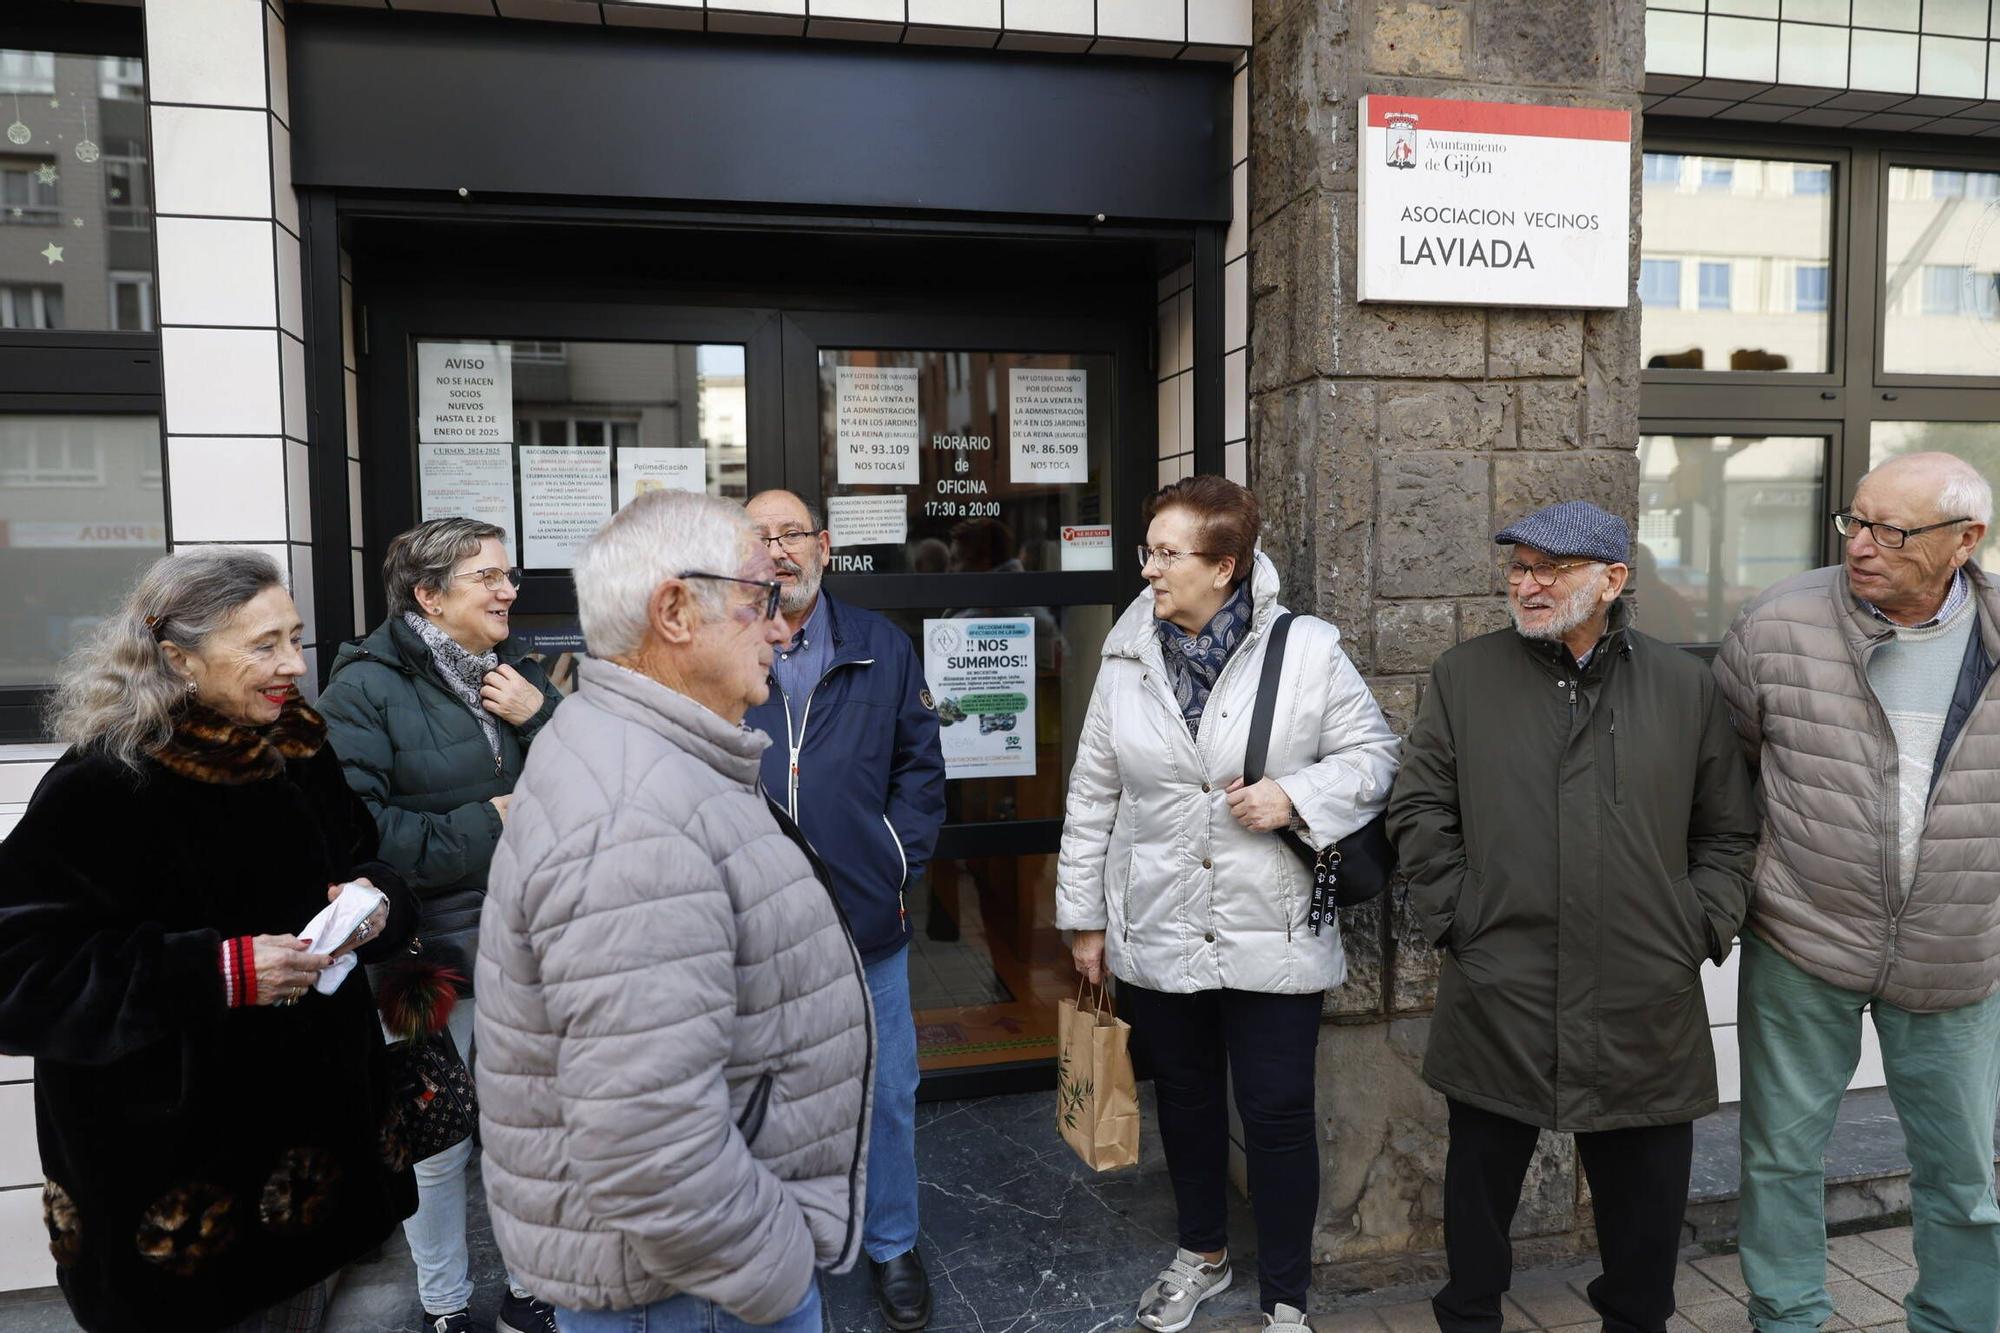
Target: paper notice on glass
[(981, 674), (642, 470), (1086, 546), (868, 520), (469, 481), (877, 425), (465, 391), (565, 495), (1048, 423)]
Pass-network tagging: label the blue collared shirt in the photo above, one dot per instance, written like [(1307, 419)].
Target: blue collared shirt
[(1961, 588), (798, 666)]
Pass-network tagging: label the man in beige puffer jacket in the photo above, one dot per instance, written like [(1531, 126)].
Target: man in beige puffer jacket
[(673, 1026), (1864, 694)]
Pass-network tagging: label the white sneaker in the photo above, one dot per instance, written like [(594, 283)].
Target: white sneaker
[(1168, 1304), (1285, 1319)]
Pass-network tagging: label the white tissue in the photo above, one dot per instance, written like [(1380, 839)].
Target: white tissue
[(332, 927)]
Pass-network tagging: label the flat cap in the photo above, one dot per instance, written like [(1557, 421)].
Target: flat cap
[(1574, 528)]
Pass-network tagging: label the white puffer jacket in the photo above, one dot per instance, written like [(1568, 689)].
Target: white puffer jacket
[(1190, 900)]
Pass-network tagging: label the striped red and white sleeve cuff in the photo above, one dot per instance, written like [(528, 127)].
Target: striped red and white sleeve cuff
[(239, 972)]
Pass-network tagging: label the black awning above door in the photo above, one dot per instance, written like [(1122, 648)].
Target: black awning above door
[(407, 102)]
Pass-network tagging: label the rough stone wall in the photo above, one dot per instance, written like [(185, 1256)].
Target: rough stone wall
[(1389, 443)]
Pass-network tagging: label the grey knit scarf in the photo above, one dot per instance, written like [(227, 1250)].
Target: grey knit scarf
[(461, 671)]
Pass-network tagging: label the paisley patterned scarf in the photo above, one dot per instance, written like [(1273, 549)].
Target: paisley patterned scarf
[(1195, 660), (462, 672)]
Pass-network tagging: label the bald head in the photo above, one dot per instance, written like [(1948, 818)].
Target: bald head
[(1942, 505), (1943, 486)]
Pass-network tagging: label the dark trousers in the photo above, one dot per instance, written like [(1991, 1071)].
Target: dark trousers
[(1265, 1042), (1638, 1183)]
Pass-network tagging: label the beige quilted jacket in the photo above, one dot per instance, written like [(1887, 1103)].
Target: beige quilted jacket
[(1794, 671), (673, 1026)]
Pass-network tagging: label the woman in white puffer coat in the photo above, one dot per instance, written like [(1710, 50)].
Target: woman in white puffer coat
[(1172, 871)]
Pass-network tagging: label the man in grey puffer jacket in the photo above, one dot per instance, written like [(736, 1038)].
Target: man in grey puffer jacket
[(1865, 696), (673, 1026)]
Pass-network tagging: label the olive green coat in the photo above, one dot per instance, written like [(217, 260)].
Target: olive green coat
[(1577, 841)]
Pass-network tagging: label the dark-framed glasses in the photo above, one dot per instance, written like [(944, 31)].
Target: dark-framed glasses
[(1166, 557), (493, 578), (791, 542), (1885, 535), (1545, 574), (772, 588)]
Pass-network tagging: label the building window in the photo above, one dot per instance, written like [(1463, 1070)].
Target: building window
[(1809, 288), (540, 353), (38, 453), (1660, 283), (132, 302), (1940, 250), (27, 72), (121, 78), (127, 186), (1944, 288), (1715, 286), (1812, 180), (31, 305), (28, 192), (1717, 173), (1663, 169)]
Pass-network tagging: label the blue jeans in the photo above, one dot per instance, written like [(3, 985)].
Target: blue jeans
[(687, 1314), (890, 1221)]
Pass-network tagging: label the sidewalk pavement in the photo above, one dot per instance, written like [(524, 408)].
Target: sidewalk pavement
[(1020, 1237)]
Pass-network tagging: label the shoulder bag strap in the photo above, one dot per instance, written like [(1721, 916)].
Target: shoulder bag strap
[(1267, 701)]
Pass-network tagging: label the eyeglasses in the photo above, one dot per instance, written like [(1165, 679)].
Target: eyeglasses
[(492, 577), (1545, 573), (772, 588), (1886, 535), (790, 542), (1166, 556)]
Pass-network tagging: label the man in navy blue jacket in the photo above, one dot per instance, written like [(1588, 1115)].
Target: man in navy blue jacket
[(855, 759)]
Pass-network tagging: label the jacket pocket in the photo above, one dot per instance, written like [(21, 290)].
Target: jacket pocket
[(1465, 912), (1688, 904), (751, 1123)]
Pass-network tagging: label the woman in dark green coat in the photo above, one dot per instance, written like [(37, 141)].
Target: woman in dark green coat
[(432, 716)]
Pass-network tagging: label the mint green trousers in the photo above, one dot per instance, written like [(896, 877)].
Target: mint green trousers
[(1801, 1039)]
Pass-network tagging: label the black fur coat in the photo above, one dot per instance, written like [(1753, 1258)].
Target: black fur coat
[(202, 1162)]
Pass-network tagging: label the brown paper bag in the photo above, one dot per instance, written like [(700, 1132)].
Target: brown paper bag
[(1097, 1099)]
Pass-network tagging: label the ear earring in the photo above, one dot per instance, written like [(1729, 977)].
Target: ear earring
[(190, 687)]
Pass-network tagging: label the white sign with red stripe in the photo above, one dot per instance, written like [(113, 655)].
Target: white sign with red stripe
[(1493, 203)]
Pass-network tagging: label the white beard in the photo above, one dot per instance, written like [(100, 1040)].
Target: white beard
[(1572, 613)]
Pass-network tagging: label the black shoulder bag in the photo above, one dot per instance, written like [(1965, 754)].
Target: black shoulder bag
[(1353, 870)]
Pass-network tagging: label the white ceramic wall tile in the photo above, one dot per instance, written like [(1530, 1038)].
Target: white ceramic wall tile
[(1887, 14), (301, 568), (285, 198), (291, 303), (211, 163), (18, 780), (1049, 16), (1167, 357), (1239, 116), (1755, 9), (1728, 1064), (1184, 385), (958, 13), (1993, 64), (1817, 11), (1884, 62), (1235, 305), (1184, 330), (881, 11), (1237, 239), (1235, 382), (353, 501), (292, 362), (1718, 986), (227, 490), (206, 51), (1168, 425), (215, 271), (278, 552), (360, 592), (1673, 42), (1178, 280), (1153, 20), (16, 1068), (788, 7), (1812, 55), (1951, 67), (298, 490), (1743, 49), (1219, 22), (221, 381), (1236, 462), (1956, 18), (20, 1159), (279, 67), (10, 815), (24, 1244)]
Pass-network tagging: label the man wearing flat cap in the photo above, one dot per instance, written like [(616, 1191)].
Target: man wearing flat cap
[(1576, 820)]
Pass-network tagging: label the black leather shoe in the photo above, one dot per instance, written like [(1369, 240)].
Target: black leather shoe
[(903, 1291)]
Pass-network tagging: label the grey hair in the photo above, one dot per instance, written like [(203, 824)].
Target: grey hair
[(424, 556), (118, 693), (1962, 492), (659, 536)]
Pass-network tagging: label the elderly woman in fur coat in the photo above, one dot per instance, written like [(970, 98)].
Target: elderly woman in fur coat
[(215, 1129)]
